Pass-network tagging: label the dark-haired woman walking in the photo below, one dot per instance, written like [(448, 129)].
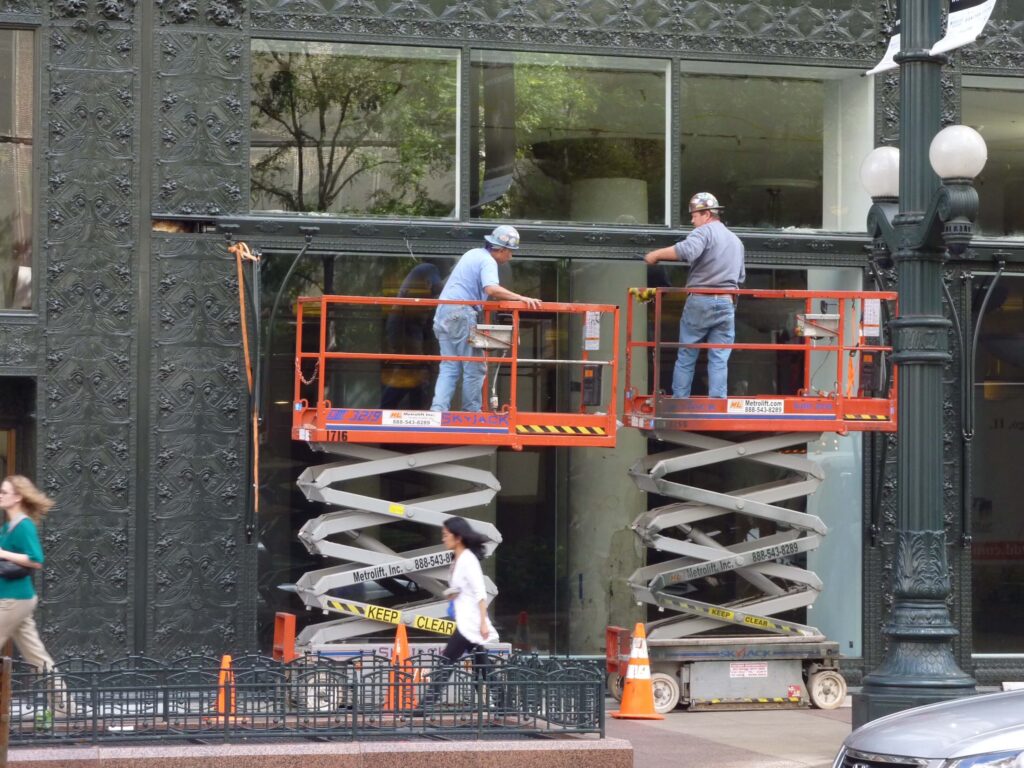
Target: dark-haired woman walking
[(469, 602)]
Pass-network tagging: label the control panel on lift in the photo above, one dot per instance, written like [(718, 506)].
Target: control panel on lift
[(534, 395), (822, 368)]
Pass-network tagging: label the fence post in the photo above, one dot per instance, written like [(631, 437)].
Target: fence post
[(5, 706)]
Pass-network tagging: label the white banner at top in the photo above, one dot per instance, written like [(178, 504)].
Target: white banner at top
[(967, 19)]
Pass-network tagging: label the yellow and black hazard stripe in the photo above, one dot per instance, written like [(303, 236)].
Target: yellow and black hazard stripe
[(392, 616), (724, 614), (865, 417), (553, 429)]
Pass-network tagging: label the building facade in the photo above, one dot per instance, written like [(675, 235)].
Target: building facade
[(139, 138)]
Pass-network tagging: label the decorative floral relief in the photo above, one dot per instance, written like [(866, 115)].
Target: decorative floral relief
[(223, 13)]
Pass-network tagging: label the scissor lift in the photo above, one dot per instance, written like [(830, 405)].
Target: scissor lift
[(450, 439), (773, 661)]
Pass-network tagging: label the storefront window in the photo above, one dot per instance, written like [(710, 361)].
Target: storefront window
[(997, 526), (778, 151), (755, 143), (17, 66), (996, 115), (568, 138), (353, 130)]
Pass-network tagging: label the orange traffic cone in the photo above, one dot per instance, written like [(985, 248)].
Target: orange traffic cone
[(225, 691), (400, 680), (637, 693)]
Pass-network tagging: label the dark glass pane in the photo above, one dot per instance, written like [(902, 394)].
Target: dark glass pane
[(997, 116), (353, 129), (17, 66), (997, 527), (756, 144), (568, 138)]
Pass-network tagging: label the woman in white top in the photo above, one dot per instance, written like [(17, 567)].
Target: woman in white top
[(469, 602)]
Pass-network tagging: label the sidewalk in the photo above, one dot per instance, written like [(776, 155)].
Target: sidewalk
[(782, 738)]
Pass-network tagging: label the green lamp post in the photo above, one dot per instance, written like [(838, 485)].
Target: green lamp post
[(916, 219)]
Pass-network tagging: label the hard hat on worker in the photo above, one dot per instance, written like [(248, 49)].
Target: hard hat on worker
[(704, 201), (504, 236)]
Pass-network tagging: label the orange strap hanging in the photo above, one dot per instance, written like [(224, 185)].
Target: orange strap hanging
[(242, 253)]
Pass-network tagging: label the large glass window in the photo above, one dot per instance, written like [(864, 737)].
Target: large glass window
[(756, 143), (778, 151), (353, 130), (17, 66), (568, 138), (996, 114), (997, 525)]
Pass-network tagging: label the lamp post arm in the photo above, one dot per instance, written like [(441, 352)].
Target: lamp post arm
[(880, 227)]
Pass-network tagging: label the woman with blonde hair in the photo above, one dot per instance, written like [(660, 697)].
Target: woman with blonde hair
[(23, 505)]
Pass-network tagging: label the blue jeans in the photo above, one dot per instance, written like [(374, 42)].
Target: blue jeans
[(451, 326), (706, 319)]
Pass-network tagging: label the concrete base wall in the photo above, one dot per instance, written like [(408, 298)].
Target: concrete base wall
[(560, 753)]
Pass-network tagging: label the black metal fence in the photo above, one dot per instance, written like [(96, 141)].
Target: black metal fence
[(199, 699)]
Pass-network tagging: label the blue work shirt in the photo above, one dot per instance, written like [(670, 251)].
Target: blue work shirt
[(715, 256), (474, 271)]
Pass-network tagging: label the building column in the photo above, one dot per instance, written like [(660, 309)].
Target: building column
[(603, 501)]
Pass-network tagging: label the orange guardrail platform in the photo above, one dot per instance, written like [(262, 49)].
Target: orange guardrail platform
[(838, 334), (335, 365)]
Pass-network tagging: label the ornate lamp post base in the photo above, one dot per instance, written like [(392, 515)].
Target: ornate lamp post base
[(919, 667)]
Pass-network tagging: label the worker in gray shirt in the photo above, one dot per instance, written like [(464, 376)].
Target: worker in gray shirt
[(715, 257)]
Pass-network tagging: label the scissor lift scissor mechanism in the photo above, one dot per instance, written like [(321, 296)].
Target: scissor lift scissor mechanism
[(678, 528)]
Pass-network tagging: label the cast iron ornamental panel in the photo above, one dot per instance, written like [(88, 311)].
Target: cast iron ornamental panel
[(201, 124), (727, 30), (88, 141), (201, 584)]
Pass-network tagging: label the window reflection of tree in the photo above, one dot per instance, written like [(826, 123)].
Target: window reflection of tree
[(352, 134)]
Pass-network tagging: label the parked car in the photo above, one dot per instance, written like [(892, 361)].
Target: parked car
[(984, 731)]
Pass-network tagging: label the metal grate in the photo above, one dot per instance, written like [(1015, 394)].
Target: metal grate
[(364, 697)]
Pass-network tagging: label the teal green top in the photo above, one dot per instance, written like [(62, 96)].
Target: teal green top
[(24, 539)]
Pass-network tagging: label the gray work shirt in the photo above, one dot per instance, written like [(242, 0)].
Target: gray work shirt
[(715, 256)]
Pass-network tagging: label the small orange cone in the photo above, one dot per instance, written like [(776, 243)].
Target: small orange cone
[(225, 691), (637, 693), (400, 680)]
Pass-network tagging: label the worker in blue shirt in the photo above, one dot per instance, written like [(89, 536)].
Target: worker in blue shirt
[(474, 278)]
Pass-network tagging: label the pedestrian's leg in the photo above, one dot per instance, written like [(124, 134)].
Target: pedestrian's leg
[(453, 651), (484, 679), (26, 637), (722, 332), (691, 331)]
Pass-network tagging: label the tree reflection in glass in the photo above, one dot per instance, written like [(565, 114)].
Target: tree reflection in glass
[(568, 138), (353, 129)]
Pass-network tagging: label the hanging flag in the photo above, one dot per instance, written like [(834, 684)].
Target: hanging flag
[(967, 19), (887, 61)]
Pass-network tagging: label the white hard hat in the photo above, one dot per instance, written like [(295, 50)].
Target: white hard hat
[(704, 201), (504, 236)]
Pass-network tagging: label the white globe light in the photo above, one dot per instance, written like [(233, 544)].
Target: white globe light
[(880, 172), (958, 152)]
